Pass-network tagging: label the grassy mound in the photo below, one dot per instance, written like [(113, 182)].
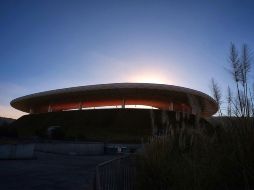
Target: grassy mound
[(110, 125)]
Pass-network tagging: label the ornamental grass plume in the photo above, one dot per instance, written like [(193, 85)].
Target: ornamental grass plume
[(214, 157)]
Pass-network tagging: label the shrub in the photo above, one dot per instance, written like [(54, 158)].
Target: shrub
[(214, 157)]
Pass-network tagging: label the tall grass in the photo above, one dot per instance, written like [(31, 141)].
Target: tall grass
[(213, 157)]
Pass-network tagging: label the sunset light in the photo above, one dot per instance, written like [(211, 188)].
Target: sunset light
[(157, 77)]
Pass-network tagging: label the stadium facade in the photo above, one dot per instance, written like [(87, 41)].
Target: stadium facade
[(108, 112), (154, 96)]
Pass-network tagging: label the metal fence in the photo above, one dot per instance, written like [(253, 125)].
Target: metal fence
[(116, 174)]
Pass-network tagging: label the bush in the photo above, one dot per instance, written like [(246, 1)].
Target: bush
[(215, 157), (7, 131)]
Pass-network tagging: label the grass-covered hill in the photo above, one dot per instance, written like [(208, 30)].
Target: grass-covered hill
[(5, 121), (121, 125)]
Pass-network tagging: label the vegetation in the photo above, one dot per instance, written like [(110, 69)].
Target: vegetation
[(7, 131), (99, 125), (214, 157), (239, 102)]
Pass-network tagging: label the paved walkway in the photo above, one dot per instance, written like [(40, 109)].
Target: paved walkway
[(49, 172)]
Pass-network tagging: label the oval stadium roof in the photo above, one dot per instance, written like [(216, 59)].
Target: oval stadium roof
[(157, 95)]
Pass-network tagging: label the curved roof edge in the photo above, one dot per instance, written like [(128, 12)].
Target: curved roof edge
[(113, 86)]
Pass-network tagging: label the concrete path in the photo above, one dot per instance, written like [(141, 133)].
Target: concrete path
[(49, 172)]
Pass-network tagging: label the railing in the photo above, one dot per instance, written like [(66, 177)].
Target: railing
[(116, 174)]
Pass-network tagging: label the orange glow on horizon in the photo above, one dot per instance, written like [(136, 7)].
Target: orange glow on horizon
[(9, 112)]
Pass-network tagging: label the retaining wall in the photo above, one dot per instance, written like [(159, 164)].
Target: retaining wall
[(71, 148), (16, 151)]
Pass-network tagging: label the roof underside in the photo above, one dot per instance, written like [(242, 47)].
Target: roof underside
[(156, 95)]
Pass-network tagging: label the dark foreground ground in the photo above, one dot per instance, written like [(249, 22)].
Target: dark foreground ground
[(49, 172)]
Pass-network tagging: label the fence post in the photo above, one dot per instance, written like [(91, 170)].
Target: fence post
[(116, 174), (98, 184)]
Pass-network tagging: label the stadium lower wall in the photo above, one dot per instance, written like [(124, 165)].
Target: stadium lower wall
[(103, 125)]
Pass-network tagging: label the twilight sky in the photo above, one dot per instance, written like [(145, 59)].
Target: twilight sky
[(50, 44)]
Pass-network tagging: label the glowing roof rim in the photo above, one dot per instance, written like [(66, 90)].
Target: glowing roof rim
[(111, 86)]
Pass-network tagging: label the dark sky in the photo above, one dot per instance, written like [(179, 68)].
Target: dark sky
[(49, 44)]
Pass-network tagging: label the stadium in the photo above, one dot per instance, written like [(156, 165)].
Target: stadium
[(118, 112)]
